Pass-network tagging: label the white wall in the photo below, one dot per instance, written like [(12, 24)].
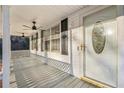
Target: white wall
[(120, 20)]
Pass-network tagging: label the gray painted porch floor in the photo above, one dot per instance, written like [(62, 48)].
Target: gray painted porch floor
[(32, 73)]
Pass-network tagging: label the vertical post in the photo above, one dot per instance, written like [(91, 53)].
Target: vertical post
[(6, 46), (30, 45), (60, 39), (71, 62), (45, 53), (50, 43)]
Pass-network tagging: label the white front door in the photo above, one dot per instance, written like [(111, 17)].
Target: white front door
[(101, 47)]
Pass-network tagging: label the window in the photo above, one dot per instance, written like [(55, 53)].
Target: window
[(19, 43), (55, 30), (32, 42), (47, 45), (36, 41), (46, 35), (55, 38), (42, 39), (56, 45), (64, 36), (64, 25)]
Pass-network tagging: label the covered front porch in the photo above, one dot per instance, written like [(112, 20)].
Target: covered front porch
[(32, 72), (62, 46)]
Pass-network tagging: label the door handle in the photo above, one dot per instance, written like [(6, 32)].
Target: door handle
[(82, 46)]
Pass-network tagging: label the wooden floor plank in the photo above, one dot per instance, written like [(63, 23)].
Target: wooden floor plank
[(31, 72)]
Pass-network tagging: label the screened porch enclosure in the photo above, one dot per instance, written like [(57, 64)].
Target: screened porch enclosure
[(65, 46)]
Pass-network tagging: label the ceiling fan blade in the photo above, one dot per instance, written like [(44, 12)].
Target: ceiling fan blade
[(26, 26), (39, 27), (27, 29), (22, 33)]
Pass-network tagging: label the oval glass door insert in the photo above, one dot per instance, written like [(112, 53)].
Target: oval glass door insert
[(98, 37)]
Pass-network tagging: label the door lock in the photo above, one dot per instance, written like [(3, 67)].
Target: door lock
[(82, 46)]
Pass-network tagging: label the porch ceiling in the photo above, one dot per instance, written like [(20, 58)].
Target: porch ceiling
[(42, 14)]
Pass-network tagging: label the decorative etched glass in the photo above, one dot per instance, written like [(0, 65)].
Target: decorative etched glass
[(98, 37)]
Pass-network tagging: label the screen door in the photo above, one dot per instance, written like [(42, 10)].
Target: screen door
[(101, 46)]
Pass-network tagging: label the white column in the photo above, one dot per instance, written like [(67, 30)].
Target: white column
[(39, 42), (70, 52), (120, 23), (50, 40), (70, 25), (30, 45), (6, 46)]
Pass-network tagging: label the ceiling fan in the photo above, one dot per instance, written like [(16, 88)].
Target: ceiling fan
[(22, 34), (34, 27)]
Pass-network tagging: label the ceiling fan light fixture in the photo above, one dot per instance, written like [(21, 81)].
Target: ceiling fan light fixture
[(33, 22), (23, 35), (34, 27)]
